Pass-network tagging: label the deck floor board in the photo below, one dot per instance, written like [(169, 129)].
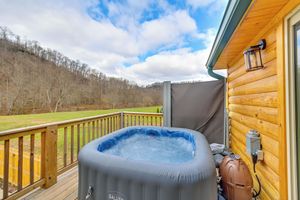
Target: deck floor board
[(65, 189)]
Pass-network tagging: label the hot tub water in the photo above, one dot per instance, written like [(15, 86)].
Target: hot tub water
[(160, 149)]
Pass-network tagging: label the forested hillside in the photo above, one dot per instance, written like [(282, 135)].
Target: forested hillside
[(34, 80)]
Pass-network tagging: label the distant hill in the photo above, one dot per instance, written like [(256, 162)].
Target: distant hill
[(34, 80)]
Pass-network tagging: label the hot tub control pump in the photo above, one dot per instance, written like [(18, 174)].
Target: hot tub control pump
[(254, 149), (254, 145)]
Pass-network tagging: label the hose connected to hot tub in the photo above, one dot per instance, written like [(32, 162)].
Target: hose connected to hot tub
[(89, 193)]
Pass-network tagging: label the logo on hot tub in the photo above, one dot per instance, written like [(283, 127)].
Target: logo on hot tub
[(114, 195)]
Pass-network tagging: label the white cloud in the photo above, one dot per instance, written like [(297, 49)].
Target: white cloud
[(200, 3), (166, 30), (213, 5), (178, 65), (174, 66), (66, 27)]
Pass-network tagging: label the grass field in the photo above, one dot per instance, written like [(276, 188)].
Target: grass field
[(18, 121)]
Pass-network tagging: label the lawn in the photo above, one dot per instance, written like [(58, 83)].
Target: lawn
[(18, 121)]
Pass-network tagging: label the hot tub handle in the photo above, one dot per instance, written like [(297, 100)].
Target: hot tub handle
[(89, 193)]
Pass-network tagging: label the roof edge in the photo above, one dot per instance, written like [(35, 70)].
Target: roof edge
[(234, 12)]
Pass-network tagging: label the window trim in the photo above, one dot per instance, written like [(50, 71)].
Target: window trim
[(290, 21)]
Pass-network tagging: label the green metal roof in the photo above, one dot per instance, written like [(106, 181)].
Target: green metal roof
[(234, 12)]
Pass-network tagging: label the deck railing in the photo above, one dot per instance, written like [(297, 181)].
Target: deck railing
[(34, 156)]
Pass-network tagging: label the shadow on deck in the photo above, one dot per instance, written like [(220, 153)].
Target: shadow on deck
[(65, 189)]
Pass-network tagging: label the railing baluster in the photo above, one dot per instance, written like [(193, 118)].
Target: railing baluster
[(83, 134), (31, 165), (65, 146), (113, 123), (6, 169), (110, 125), (72, 144), (93, 130), (117, 122), (101, 128), (20, 163), (97, 129), (89, 131), (107, 125), (104, 126), (78, 138), (124, 120), (127, 120), (132, 120)]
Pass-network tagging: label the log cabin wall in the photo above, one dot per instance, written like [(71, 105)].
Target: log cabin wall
[(256, 101)]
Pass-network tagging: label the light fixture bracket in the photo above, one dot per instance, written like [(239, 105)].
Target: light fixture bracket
[(261, 45)]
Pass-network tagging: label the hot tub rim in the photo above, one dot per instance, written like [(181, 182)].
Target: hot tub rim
[(200, 168)]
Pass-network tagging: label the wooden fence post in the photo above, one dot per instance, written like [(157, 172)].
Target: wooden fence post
[(49, 156)]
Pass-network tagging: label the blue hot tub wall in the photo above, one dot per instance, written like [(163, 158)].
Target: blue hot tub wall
[(151, 131)]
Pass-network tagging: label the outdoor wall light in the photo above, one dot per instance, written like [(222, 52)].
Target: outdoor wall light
[(253, 60)]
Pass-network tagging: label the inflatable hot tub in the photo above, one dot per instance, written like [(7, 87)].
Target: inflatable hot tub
[(147, 163)]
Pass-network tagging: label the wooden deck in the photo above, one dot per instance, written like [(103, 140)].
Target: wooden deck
[(64, 189)]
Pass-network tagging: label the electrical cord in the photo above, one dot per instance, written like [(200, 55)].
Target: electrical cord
[(254, 161)]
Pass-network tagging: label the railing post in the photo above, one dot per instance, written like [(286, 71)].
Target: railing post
[(167, 103), (49, 156), (122, 119)]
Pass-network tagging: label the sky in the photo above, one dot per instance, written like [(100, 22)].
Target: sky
[(144, 41)]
